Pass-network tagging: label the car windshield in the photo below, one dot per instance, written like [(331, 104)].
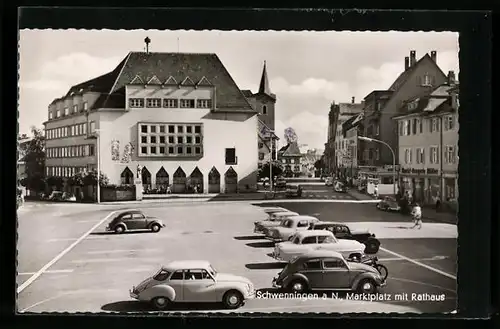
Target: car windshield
[(326, 239), (288, 223), (212, 271), (161, 275), (296, 240)]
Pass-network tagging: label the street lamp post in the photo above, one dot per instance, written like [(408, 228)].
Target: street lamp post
[(96, 136), (367, 139)]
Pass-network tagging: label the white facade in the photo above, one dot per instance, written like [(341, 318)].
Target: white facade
[(218, 132)]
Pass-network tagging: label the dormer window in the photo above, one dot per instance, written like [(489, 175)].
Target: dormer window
[(66, 110), (85, 106), (58, 113), (75, 108), (264, 109), (427, 80), (50, 115)]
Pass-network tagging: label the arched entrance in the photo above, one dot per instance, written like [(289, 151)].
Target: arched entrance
[(231, 181), (127, 176), (162, 180), (146, 178), (214, 181), (180, 180), (196, 181)]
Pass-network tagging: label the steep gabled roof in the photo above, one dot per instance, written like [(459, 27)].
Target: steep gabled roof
[(436, 102), (166, 65), (401, 79), (291, 149)]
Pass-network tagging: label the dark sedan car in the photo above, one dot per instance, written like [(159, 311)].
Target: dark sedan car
[(134, 220), (388, 204), (342, 231), (327, 270)]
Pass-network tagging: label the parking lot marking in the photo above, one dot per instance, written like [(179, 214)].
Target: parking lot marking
[(42, 302), (416, 262), (47, 272), (424, 284), (61, 254), (105, 260), (419, 259), (117, 251), (314, 201)]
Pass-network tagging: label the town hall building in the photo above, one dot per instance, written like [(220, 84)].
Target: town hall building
[(178, 117)]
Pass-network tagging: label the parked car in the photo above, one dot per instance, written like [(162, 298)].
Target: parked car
[(66, 196), (274, 220), (388, 203), (134, 220), (329, 181), (293, 191), (340, 187), (343, 231), (305, 241), (193, 281), (328, 270), (56, 196), (288, 227)]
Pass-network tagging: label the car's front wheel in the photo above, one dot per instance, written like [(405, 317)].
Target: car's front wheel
[(160, 302), (367, 286), (232, 299), (297, 286), (155, 228)]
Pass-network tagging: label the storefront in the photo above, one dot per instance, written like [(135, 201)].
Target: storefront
[(450, 189), (421, 184)]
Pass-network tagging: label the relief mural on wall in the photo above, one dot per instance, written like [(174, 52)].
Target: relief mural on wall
[(115, 150), (128, 151)]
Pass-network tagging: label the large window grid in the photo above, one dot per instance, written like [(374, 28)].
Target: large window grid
[(75, 151), (157, 102), (172, 139), (63, 171), (67, 131)]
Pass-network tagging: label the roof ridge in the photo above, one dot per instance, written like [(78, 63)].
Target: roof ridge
[(171, 52)]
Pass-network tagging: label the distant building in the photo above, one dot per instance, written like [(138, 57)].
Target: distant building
[(179, 118), (290, 157), (428, 145), (308, 161), (351, 129), (22, 145), (264, 102), (335, 147), (418, 79)]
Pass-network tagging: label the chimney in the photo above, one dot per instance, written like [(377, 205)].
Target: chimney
[(433, 56), (407, 62), (413, 57), (451, 78), (353, 98)]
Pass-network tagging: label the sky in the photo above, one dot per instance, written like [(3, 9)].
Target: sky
[(307, 70)]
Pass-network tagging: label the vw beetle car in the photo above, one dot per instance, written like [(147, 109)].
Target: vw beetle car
[(288, 227), (328, 270), (343, 231), (134, 220), (293, 191), (274, 220), (193, 281), (388, 204), (305, 241)]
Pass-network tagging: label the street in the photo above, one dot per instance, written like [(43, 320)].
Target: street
[(68, 263)]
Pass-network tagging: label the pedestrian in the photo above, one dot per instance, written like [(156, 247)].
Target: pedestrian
[(169, 190), (438, 204), (417, 216)]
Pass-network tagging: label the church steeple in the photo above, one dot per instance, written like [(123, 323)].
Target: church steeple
[(264, 83)]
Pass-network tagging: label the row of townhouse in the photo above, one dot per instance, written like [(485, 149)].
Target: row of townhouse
[(415, 125), (167, 119)]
